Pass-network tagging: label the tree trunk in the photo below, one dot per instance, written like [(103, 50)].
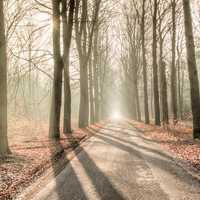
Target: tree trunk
[(182, 93), (84, 42), (91, 91), (54, 126), (102, 96), (179, 84), (132, 101), (67, 35), (96, 76), (137, 102), (146, 107), (84, 100), (164, 101), (192, 69), (173, 65), (81, 42), (163, 80), (151, 95), (4, 149), (155, 67)]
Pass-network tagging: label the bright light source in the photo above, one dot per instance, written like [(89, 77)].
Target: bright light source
[(116, 116)]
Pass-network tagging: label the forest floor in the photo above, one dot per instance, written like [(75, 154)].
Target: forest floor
[(177, 140), (32, 154)]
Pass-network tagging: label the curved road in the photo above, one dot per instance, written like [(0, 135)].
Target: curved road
[(117, 163)]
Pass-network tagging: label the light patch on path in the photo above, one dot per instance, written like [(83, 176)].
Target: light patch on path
[(119, 164)]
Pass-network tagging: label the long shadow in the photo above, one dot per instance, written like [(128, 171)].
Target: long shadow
[(102, 184), (163, 164), (124, 130), (178, 143), (100, 181), (59, 162), (117, 131), (73, 189), (133, 143)]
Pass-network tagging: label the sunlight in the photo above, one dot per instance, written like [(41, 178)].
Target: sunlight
[(116, 115)]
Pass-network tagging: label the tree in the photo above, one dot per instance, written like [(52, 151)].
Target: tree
[(163, 30), (146, 107), (4, 149), (91, 92), (192, 69), (84, 40), (67, 36), (155, 66), (80, 29), (173, 65), (95, 71), (54, 125)]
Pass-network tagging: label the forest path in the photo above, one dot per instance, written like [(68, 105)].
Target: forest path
[(118, 163)]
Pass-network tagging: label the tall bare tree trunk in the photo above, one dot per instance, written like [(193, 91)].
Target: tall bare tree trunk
[(91, 92), (84, 100), (67, 36), (163, 79), (132, 101), (192, 69), (155, 66), (137, 102), (4, 149), (173, 65), (146, 107), (164, 102), (96, 75), (54, 126), (180, 100), (81, 42), (182, 92), (151, 95), (84, 42), (102, 96)]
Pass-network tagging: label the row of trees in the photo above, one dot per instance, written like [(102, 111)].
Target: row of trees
[(79, 32), (84, 20), (159, 23), (91, 29)]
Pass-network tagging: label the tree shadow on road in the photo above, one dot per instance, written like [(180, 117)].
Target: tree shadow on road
[(73, 189), (154, 157), (109, 133), (101, 183), (59, 161)]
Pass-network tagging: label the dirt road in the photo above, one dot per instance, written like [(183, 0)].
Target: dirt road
[(118, 163)]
